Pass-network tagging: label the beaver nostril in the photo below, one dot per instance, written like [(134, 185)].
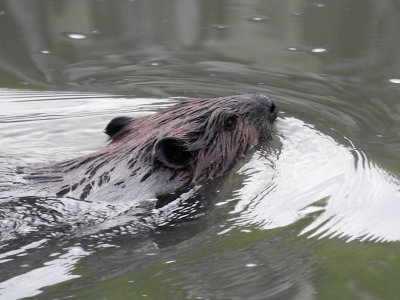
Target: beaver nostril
[(272, 108), (273, 112)]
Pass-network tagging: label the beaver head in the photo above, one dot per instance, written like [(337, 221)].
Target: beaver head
[(186, 144)]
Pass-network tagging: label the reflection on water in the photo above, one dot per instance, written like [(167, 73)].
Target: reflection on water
[(55, 271), (305, 172), (310, 215), (139, 45), (312, 173), (302, 173)]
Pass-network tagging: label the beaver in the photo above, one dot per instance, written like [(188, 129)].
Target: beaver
[(182, 146)]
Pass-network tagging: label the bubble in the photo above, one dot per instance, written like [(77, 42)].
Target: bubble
[(257, 19), (251, 265), (220, 26), (318, 50), (74, 35), (46, 51), (95, 31), (394, 80)]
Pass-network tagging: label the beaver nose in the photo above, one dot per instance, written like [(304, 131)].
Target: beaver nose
[(263, 99), (267, 102)]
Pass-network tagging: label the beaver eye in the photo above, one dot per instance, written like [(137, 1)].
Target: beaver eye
[(230, 123)]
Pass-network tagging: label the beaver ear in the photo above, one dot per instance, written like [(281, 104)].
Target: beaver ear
[(172, 153), (116, 125)]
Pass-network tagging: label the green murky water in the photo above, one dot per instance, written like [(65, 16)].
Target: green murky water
[(313, 215)]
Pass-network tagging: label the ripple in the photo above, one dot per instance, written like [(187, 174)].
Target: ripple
[(53, 272), (37, 125), (314, 175), (307, 172)]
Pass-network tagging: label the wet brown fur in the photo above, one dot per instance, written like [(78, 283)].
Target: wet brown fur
[(199, 123)]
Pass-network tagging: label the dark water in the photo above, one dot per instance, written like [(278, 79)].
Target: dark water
[(311, 215)]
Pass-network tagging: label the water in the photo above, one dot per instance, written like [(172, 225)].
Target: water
[(311, 215)]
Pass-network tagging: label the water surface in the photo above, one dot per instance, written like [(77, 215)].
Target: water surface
[(310, 215)]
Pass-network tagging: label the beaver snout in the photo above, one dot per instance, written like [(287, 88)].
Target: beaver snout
[(263, 99), (272, 109)]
